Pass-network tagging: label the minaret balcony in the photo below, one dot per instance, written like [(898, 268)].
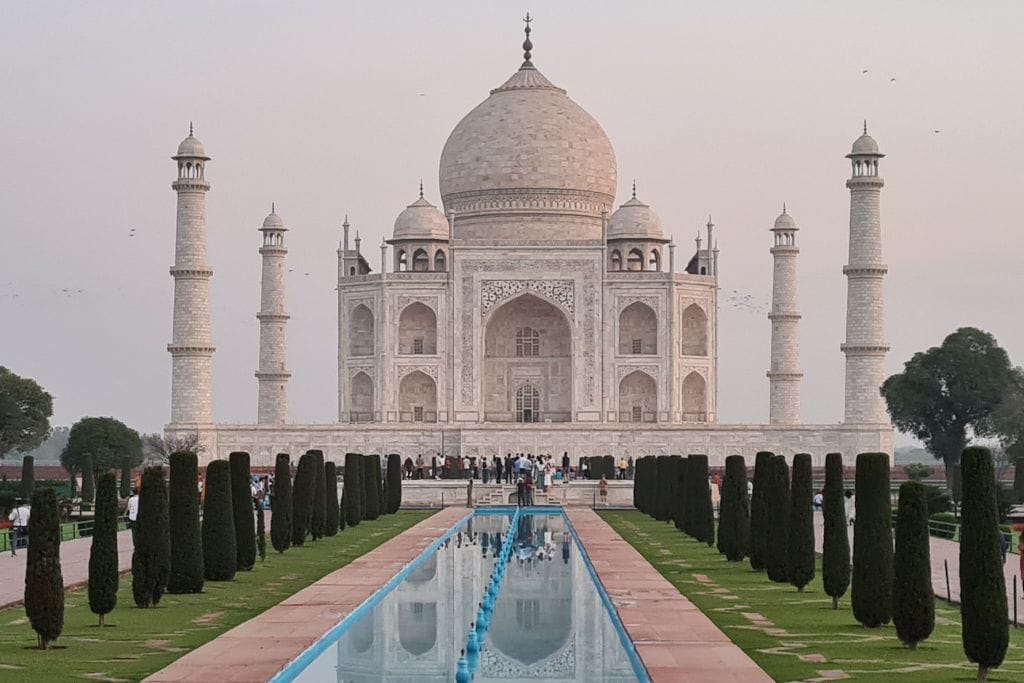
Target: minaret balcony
[(191, 273), (272, 317), (190, 349), (864, 349), (190, 184), (866, 271)]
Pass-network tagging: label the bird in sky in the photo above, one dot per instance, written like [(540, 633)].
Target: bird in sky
[(864, 71), (892, 80), (936, 131)]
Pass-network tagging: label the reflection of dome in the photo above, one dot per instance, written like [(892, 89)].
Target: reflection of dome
[(417, 627), (421, 220), (634, 220)]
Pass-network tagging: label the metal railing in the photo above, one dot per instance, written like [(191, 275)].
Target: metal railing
[(950, 531), (69, 531)]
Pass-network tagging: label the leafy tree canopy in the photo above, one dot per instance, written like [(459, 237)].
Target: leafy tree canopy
[(108, 442), (950, 391), (25, 410)]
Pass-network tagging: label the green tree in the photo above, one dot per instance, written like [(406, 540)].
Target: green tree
[(674, 494), (917, 471), (835, 552), (352, 489), (682, 486), (151, 561), (261, 531), (186, 573), (394, 483), (800, 546), (734, 511), (700, 495), (220, 557), (25, 411), (371, 486), (778, 507), (108, 443), (759, 511), (983, 606), (913, 600), (44, 583), (871, 592), (950, 391), (241, 505), (281, 504), (88, 480), (28, 476), (302, 498), (663, 483), (318, 517), (333, 511), (103, 569), (1016, 454), (126, 480)]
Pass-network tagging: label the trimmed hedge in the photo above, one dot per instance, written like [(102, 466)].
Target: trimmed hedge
[(241, 504), (800, 546), (394, 480), (913, 600), (333, 516), (281, 505), (151, 561), (318, 516), (778, 520), (302, 498), (734, 511), (220, 558), (683, 498), (126, 481), (28, 477), (44, 582), (371, 486), (104, 578), (700, 493), (661, 479), (352, 489), (835, 552), (186, 570), (88, 482), (759, 511), (871, 591), (261, 532)]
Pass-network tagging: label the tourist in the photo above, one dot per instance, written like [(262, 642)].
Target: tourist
[(585, 467), (603, 488), (541, 477), (818, 500), (523, 464), (419, 466), (509, 465), (629, 467), (1004, 544), (851, 507), (465, 466), (19, 524), (565, 466), (485, 470), (622, 468), (716, 492), (408, 468), (521, 491), (528, 485), (497, 468), (133, 513)]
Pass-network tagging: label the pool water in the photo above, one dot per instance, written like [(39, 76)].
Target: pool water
[(550, 620)]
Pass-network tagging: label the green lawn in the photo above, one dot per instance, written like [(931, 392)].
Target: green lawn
[(138, 642), (805, 638)]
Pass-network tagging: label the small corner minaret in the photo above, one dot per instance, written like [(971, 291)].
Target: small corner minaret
[(191, 348), (784, 375), (273, 374), (865, 346)]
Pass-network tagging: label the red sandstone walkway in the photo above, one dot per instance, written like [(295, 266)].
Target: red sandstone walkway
[(74, 564), (674, 639), (262, 646)]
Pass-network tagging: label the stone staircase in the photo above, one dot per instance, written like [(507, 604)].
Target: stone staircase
[(501, 494)]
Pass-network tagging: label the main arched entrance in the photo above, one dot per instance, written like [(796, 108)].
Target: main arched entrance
[(527, 363)]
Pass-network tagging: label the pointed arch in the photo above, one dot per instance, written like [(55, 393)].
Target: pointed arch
[(695, 401), (417, 330), (440, 261), (420, 261), (361, 398), (638, 329), (417, 398), (694, 337), (417, 627), (616, 263), (527, 403), (638, 398), (401, 261), (635, 260), (360, 331), (654, 261)]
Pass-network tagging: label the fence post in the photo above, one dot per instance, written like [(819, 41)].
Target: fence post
[(949, 595), (1015, 602)]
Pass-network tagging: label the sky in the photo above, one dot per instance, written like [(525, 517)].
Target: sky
[(334, 108)]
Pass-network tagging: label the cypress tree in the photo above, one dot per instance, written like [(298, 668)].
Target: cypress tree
[(700, 492), (44, 583), (220, 557), (640, 495), (341, 506), (281, 505), (664, 491), (261, 531), (759, 511), (682, 500), (982, 586), (871, 591), (382, 496), (103, 574), (88, 482), (778, 520), (371, 509), (318, 518), (636, 484), (302, 498), (352, 488), (241, 505), (913, 600), (186, 573), (835, 553), (800, 546), (734, 511), (151, 561), (333, 517), (72, 482), (672, 505), (126, 481), (394, 483), (28, 477)]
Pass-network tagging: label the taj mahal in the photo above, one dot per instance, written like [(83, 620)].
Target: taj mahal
[(527, 312)]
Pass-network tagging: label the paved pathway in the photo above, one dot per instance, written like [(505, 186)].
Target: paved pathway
[(674, 639), (74, 564), (949, 551), (262, 646)]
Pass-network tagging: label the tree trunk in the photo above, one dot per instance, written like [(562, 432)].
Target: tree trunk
[(102, 620), (835, 603), (982, 673), (800, 589), (912, 646)]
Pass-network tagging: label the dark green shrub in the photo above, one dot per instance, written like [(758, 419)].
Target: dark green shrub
[(835, 552), (778, 520), (352, 489), (318, 517), (918, 471), (759, 511), (913, 601), (734, 511), (261, 531), (103, 575), (683, 497), (700, 494), (938, 499), (126, 481), (945, 526), (394, 480), (281, 504), (28, 477), (44, 583), (371, 487), (151, 561), (672, 472), (800, 547), (664, 505), (332, 517), (982, 586), (636, 485), (88, 481), (241, 505), (302, 498), (186, 573), (382, 496), (220, 558), (871, 591)]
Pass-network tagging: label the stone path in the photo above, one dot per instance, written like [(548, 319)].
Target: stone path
[(262, 646), (675, 640), (948, 551), (74, 563)]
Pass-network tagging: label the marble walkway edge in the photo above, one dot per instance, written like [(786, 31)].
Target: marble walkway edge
[(675, 640)]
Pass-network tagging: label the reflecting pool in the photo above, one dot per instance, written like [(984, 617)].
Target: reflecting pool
[(549, 621)]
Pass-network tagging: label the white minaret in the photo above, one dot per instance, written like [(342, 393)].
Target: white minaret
[(273, 373), (865, 346), (784, 375), (190, 347)]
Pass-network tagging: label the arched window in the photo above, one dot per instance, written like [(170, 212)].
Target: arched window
[(440, 262), (361, 398), (420, 261), (694, 398), (403, 262), (417, 330), (655, 261), (635, 260), (527, 403), (616, 260), (360, 332), (695, 331), (638, 329), (527, 342)]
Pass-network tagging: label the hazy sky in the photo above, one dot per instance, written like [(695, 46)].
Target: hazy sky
[(330, 108)]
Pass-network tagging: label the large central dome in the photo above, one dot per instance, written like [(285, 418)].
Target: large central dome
[(528, 148)]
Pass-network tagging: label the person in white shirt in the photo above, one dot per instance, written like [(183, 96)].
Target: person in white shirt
[(19, 524), (133, 513)]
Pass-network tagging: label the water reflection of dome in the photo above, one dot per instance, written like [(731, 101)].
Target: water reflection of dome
[(417, 627), (361, 639)]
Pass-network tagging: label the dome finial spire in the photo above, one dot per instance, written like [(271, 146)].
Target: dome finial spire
[(527, 45), (273, 207), (634, 188), (783, 207), (190, 128), (865, 126), (421, 188)]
